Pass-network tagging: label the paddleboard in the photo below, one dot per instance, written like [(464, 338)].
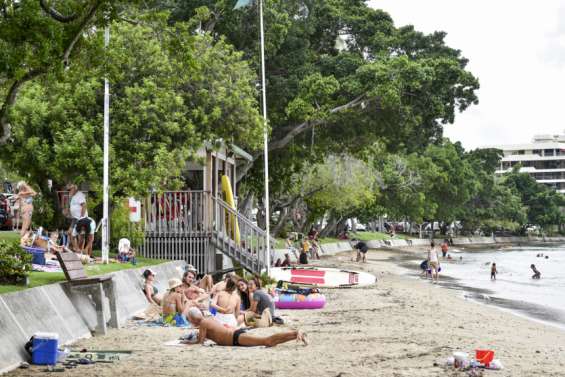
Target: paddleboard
[(322, 276)]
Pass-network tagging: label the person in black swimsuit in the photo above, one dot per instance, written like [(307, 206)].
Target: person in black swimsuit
[(223, 336)]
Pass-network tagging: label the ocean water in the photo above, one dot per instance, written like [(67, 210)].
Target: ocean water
[(514, 289)]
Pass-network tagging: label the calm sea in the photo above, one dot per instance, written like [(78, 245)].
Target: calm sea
[(514, 289)]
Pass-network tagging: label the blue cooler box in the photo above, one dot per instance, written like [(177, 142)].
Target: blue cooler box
[(44, 349), (38, 255)]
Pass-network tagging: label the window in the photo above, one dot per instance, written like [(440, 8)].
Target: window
[(548, 152)]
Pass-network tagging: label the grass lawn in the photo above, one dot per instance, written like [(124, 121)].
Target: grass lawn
[(37, 278), (8, 235)]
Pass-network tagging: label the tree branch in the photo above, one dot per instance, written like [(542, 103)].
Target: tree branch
[(300, 128), (55, 14), (85, 22), (9, 101)]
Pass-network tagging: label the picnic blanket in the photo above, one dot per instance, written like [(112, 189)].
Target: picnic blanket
[(49, 266)]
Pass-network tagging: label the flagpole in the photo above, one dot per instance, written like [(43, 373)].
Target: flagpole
[(265, 139), (106, 179)]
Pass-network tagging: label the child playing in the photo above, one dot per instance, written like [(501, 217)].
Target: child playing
[(493, 272)]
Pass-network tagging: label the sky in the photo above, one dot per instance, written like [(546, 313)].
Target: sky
[(517, 51)]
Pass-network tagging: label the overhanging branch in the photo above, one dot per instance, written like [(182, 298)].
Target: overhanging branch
[(55, 14), (9, 101), (302, 127)]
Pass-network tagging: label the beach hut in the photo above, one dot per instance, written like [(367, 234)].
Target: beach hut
[(200, 224)]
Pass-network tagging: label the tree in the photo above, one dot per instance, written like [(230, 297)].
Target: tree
[(42, 37), (390, 85), (171, 90), (543, 203)]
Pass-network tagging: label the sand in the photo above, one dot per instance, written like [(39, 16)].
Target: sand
[(402, 326)]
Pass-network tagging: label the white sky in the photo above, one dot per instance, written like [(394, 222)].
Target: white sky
[(516, 49)]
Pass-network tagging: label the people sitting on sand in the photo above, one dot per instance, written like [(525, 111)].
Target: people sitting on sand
[(227, 304), (286, 262), (362, 249), (536, 274), (151, 292), (262, 308), (223, 336), (221, 285), (195, 295), (493, 272), (243, 295), (175, 302), (205, 282), (433, 262)]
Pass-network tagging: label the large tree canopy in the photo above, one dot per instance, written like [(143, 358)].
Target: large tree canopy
[(171, 90), (387, 84)]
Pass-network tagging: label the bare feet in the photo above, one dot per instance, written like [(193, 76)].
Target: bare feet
[(301, 337)]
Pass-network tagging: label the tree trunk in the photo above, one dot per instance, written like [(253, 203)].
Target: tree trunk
[(283, 219)]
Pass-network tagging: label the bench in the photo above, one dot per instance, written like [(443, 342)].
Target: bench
[(97, 287)]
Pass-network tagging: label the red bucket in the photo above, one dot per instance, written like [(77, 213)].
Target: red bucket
[(484, 357)]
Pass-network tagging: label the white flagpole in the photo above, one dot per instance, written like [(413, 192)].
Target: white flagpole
[(105, 217), (265, 139)]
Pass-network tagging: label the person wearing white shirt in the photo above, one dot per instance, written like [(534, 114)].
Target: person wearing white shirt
[(77, 211)]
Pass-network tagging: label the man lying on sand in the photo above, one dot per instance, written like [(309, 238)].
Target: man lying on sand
[(213, 330)]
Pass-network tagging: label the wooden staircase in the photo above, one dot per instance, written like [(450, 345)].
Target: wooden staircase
[(237, 237)]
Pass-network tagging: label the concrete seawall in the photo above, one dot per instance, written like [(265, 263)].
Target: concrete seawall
[(395, 243), (54, 308)]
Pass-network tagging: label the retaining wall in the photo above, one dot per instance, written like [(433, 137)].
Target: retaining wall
[(54, 308)]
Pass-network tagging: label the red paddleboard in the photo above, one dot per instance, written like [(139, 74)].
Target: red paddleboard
[(322, 277)]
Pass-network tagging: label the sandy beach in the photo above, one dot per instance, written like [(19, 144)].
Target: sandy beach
[(402, 326)]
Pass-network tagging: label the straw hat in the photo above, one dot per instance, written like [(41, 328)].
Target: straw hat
[(174, 282), (191, 268)]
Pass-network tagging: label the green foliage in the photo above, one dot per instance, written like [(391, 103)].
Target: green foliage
[(171, 90), (543, 204), (121, 227), (15, 263)]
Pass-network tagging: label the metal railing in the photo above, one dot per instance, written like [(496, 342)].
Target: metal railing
[(177, 212), (238, 237)]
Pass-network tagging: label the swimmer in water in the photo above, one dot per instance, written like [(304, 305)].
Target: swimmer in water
[(536, 274)]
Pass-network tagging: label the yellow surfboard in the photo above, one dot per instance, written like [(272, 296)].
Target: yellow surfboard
[(231, 220)]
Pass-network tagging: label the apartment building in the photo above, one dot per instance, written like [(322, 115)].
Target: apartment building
[(543, 159)]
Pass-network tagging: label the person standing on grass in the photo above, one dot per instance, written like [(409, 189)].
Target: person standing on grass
[(25, 197), (433, 262), (77, 211)]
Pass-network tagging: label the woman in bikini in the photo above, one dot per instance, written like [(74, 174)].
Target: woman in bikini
[(25, 196), (151, 291), (174, 302)]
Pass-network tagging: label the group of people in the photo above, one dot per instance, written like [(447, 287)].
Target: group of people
[(80, 232), (223, 312), (308, 247), (431, 265)]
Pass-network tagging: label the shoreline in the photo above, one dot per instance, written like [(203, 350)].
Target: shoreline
[(534, 312), (400, 326)]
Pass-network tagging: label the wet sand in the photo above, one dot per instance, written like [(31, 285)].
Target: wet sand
[(402, 326)]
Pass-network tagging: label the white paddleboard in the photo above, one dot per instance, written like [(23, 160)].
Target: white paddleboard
[(322, 276)]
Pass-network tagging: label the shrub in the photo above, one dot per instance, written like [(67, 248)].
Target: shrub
[(15, 262), (121, 227)]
